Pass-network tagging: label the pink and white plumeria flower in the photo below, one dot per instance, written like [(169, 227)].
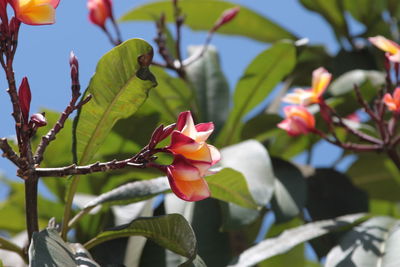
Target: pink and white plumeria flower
[(192, 158), (392, 102), (35, 12), (298, 120), (391, 48), (320, 81)]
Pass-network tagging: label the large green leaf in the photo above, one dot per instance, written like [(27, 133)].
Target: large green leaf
[(366, 80), (252, 160), (259, 79), (374, 243), (290, 190), (212, 88), (230, 186), (201, 15), (119, 87), (377, 175), (292, 237), (332, 194), (171, 231), (48, 249)]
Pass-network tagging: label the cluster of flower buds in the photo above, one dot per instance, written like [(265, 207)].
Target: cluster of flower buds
[(24, 96), (193, 157)]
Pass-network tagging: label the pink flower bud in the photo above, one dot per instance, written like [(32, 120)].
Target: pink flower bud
[(298, 121), (24, 97), (99, 11), (225, 17), (392, 102), (38, 120)]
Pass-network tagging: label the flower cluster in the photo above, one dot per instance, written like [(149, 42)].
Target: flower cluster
[(298, 119)]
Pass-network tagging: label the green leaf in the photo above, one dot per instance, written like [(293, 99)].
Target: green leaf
[(292, 237), (252, 160), (290, 190), (259, 79), (377, 175), (331, 10), (332, 194), (365, 79), (230, 186), (119, 87), (212, 88), (48, 249), (373, 243), (131, 192), (366, 11), (171, 96), (171, 231), (261, 127), (201, 15), (8, 245), (295, 257)]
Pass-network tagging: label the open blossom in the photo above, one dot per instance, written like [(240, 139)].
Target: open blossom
[(320, 81), (393, 101), (391, 48), (99, 11), (298, 120), (192, 158), (35, 12)]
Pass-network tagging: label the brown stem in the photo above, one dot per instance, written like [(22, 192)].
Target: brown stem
[(10, 154), (95, 167), (31, 185)]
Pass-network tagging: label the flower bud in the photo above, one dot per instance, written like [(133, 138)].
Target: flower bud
[(38, 120), (99, 11), (226, 17), (24, 97), (73, 62)]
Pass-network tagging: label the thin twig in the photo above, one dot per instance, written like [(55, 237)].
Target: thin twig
[(10, 154)]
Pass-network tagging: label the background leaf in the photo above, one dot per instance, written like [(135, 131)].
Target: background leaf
[(259, 79), (212, 88), (247, 23)]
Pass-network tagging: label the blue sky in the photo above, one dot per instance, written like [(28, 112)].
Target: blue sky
[(43, 51)]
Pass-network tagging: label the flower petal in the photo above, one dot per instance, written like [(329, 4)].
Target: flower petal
[(37, 15), (204, 130), (320, 81), (189, 190), (182, 144), (385, 44), (215, 154)]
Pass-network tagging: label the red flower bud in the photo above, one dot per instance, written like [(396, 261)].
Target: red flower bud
[(226, 17), (24, 97), (99, 11), (38, 120)]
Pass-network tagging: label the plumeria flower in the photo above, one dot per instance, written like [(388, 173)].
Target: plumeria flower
[(192, 158), (186, 178), (391, 48), (298, 120), (35, 12), (189, 140), (393, 101), (99, 11), (320, 81)]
